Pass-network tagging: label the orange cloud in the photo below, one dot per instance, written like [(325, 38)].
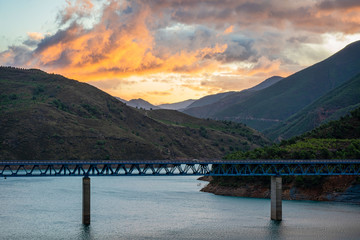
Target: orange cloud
[(110, 50), (229, 29), (194, 87), (163, 93)]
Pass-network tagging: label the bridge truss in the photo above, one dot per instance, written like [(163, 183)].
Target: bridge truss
[(185, 167)]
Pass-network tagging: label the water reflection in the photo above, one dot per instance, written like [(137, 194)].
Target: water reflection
[(275, 229), (85, 232)]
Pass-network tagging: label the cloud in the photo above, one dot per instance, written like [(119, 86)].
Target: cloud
[(221, 83), (229, 29), (160, 93), (112, 42), (16, 54), (262, 66), (238, 49), (257, 15), (121, 44), (141, 37), (75, 11), (194, 87), (35, 36)]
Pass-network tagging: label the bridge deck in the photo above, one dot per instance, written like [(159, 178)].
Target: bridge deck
[(22, 168), (181, 161)]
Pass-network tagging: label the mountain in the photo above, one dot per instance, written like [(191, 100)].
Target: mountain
[(278, 102), (210, 105), (121, 100), (336, 103), (191, 103), (177, 106), (273, 105), (138, 103), (209, 100), (141, 103), (47, 116)]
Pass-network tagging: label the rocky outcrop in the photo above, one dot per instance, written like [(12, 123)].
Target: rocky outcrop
[(334, 188), (352, 194)]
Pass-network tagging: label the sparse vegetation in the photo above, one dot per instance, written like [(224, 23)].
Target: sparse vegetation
[(46, 116), (333, 105)]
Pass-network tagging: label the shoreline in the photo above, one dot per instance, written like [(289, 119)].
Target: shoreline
[(335, 188)]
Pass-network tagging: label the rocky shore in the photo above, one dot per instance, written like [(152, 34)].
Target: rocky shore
[(335, 188)]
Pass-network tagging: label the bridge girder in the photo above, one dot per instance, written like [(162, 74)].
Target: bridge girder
[(156, 168)]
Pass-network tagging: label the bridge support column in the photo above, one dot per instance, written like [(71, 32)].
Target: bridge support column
[(276, 195), (86, 201)]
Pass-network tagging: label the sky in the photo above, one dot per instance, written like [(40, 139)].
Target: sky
[(168, 51)]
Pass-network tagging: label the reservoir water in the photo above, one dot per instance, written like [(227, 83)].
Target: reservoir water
[(159, 208)]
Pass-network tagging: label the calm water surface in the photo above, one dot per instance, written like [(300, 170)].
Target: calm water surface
[(159, 208)]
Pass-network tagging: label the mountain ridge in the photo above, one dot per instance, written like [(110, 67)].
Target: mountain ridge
[(139, 103), (267, 107), (298, 90), (220, 101), (177, 105)]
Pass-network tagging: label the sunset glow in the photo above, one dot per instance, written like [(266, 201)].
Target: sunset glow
[(169, 51)]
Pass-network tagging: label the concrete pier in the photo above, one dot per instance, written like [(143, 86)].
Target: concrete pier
[(276, 198), (86, 201)]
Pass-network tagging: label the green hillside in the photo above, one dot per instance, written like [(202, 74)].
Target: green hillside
[(338, 102), (244, 136), (334, 140), (47, 116), (274, 104)]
